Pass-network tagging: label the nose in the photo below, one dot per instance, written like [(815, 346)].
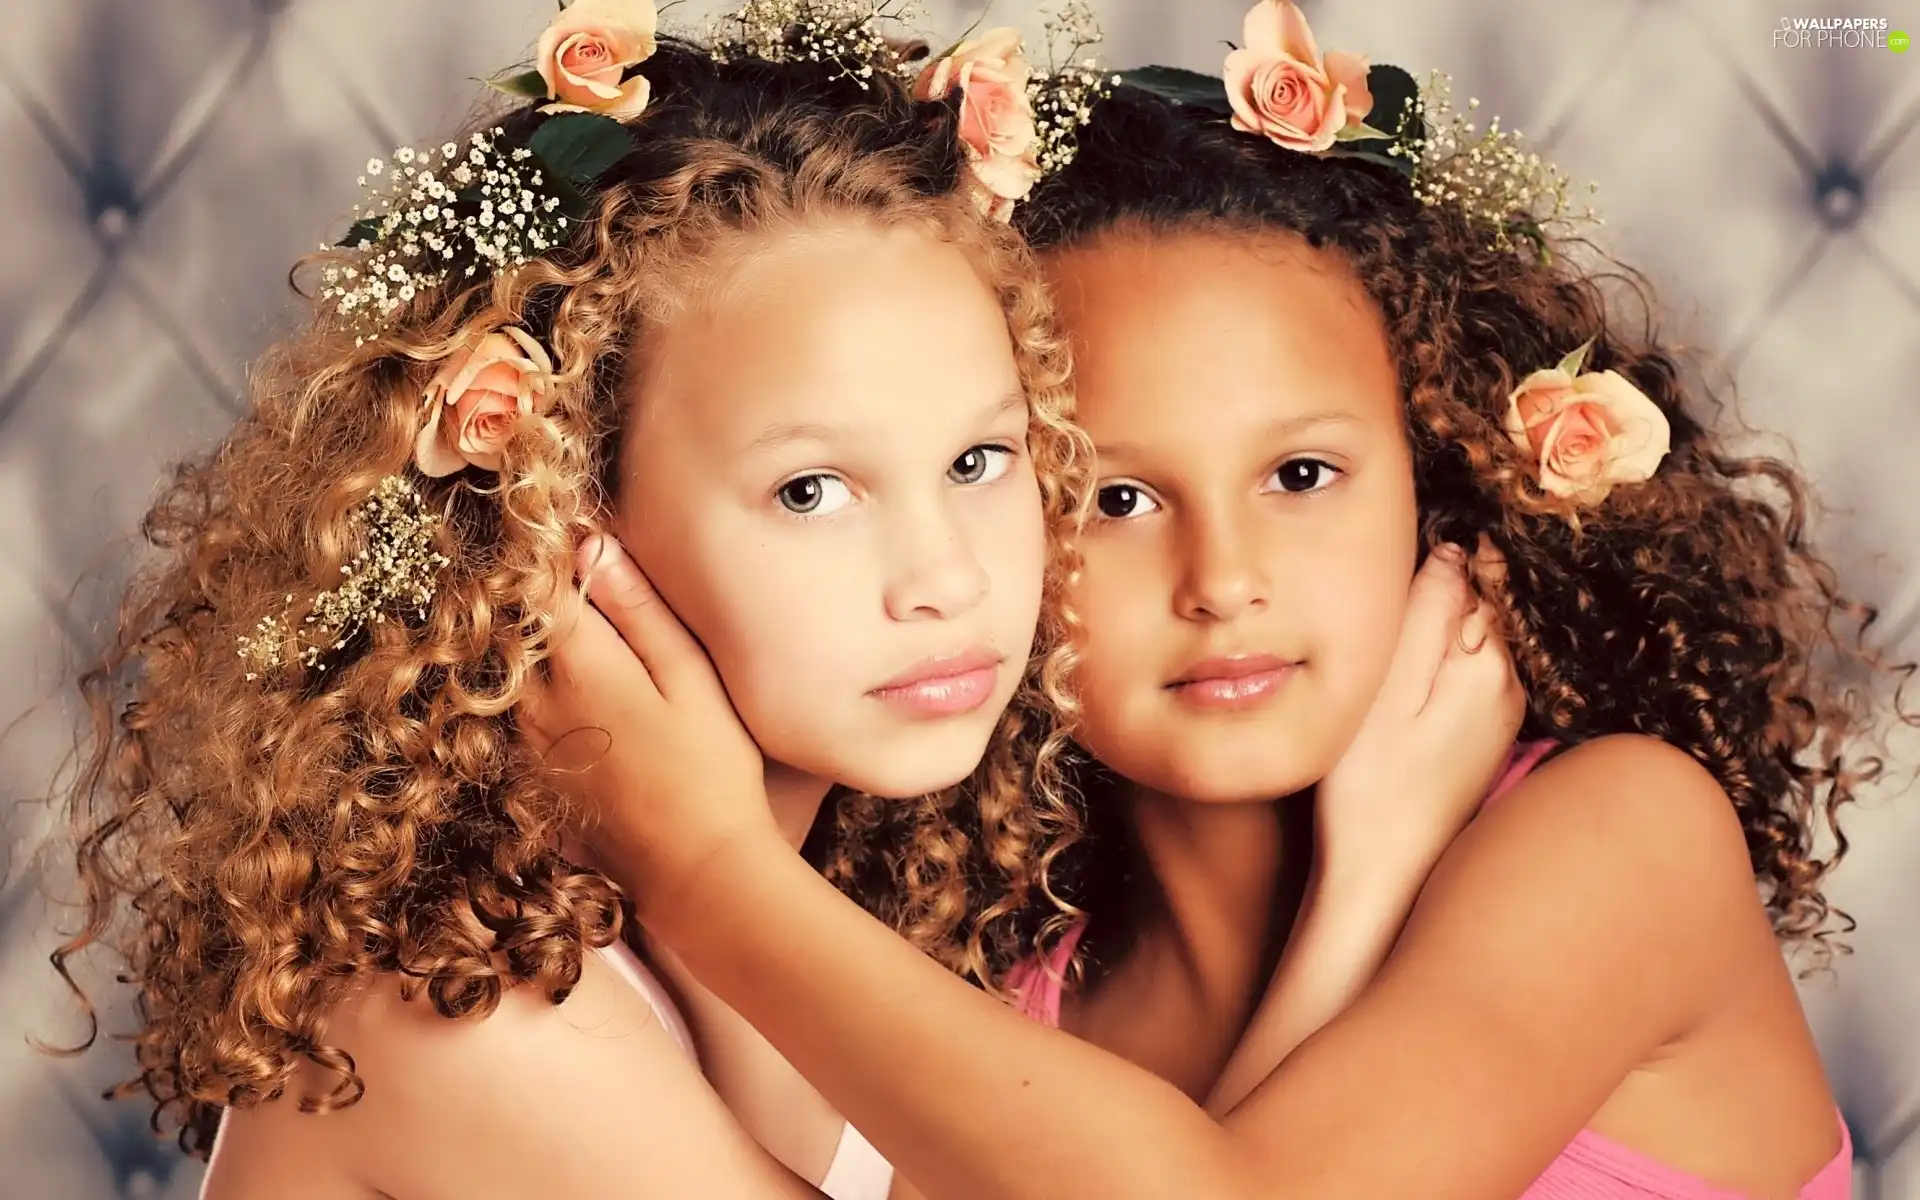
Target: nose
[(935, 575), (1222, 576)]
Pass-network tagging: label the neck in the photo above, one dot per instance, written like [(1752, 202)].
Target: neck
[(1218, 911), (795, 798)]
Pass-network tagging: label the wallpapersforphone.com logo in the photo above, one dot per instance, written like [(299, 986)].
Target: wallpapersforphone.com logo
[(1840, 33)]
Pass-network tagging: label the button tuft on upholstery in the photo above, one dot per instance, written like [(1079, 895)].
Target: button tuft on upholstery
[(1838, 197), (112, 223), (111, 203)]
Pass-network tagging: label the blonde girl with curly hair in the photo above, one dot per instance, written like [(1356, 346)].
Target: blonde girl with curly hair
[(785, 351)]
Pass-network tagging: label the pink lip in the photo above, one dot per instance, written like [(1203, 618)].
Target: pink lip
[(944, 685), (1236, 681)]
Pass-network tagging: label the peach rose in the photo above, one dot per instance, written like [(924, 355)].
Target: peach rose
[(490, 387), (996, 116), (586, 49), (1280, 86), (1589, 431)]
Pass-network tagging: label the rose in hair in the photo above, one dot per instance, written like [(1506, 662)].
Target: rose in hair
[(489, 388), (1281, 87), (586, 50), (996, 115), (1588, 431)]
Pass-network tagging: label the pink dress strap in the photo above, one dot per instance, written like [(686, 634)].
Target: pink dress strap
[(1034, 985), (1523, 758)]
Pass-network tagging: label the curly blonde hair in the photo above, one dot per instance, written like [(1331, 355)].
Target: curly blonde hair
[(1691, 608), (259, 848)]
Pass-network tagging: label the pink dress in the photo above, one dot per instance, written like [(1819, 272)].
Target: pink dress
[(1592, 1167)]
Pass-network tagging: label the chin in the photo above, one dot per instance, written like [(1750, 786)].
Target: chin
[(907, 763), (1192, 772)]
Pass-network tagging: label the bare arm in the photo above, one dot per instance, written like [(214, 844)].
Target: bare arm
[(1526, 986), (591, 1098)]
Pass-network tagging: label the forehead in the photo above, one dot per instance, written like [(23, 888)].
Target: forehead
[(839, 325), (1236, 325)]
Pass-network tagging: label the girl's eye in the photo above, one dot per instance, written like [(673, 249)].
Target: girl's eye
[(1300, 475), (814, 495), (1119, 501), (980, 464)]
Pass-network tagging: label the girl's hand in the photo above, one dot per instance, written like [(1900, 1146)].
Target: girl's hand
[(636, 724), (1437, 733)]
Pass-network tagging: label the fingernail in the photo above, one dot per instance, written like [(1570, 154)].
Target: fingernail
[(1448, 552), (587, 557)]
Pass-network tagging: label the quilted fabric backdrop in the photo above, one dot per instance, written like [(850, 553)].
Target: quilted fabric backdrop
[(162, 162)]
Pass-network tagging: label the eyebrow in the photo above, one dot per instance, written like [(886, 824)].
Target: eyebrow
[(814, 431), (1284, 428)]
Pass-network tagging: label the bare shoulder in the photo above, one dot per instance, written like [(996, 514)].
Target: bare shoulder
[(600, 1038), (1625, 803), (451, 1105), (1625, 795), (393, 1031), (1618, 867)]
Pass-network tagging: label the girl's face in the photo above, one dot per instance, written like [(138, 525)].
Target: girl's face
[(1255, 535), (828, 480)]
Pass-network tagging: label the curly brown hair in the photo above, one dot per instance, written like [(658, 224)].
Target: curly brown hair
[(257, 848), (1690, 608)]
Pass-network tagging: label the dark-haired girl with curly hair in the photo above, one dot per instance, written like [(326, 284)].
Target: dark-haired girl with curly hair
[(770, 331), (1300, 374)]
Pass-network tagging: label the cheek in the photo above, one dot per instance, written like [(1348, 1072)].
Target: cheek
[(1363, 597), (779, 625), (1121, 603), (1361, 615), (1008, 530)]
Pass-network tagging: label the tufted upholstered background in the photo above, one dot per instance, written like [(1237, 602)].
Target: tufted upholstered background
[(163, 161)]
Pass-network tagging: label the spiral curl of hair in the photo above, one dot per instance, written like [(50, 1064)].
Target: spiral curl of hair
[(1691, 608), (257, 850)]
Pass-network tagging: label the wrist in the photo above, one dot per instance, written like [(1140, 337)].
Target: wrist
[(702, 897), (1366, 877)]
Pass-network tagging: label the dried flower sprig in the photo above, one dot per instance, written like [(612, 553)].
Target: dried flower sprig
[(847, 33), (451, 213), (1064, 97), (483, 206), (1489, 174), (395, 568)]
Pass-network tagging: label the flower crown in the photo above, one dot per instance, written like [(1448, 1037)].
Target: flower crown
[(502, 200), (1278, 84)]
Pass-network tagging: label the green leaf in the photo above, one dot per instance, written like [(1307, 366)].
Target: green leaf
[(363, 232), (1362, 132), (1395, 103), (1398, 162), (1573, 363), (579, 147), (527, 85), (574, 205), (1181, 86)]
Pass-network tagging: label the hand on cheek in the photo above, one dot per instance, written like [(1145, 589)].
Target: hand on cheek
[(635, 724), (1443, 721)]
